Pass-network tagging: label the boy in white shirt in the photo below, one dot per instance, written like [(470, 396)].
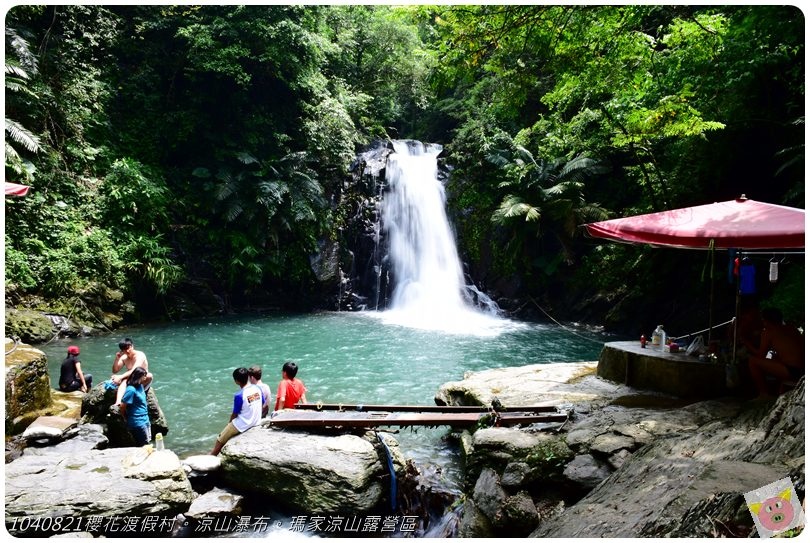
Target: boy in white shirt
[(247, 409), (255, 375)]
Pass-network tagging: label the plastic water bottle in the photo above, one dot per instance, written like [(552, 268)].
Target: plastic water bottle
[(159, 442), (663, 339), (658, 336)]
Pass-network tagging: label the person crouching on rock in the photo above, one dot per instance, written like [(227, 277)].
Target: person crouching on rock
[(133, 408), (247, 409), (127, 357), (71, 376)]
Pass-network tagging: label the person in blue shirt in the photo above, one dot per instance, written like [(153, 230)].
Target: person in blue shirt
[(247, 409), (133, 408)]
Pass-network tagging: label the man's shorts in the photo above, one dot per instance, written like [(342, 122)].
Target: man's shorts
[(227, 433)]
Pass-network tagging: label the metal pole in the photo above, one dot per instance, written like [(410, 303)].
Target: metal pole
[(711, 292)]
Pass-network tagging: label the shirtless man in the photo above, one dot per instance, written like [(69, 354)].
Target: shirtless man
[(780, 352), (127, 357)]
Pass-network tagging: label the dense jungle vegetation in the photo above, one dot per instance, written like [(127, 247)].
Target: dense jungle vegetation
[(175, 149)]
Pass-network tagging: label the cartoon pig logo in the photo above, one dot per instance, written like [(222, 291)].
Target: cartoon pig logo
[(775, 513), (775, 508)]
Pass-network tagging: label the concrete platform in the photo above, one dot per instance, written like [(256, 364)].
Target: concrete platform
[(651, 369)]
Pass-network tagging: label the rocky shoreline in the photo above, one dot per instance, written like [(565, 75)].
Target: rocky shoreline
[(626, 464), (629, 464)]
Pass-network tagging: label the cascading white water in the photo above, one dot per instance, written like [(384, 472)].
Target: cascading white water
[(429, 289)]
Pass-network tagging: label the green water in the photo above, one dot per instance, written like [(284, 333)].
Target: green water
[(343, 358)]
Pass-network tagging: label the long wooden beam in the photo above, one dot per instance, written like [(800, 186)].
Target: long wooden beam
[(354, 419), (422, 408)]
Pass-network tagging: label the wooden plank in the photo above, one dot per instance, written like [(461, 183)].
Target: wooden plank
[(422, 408), (353, 419)]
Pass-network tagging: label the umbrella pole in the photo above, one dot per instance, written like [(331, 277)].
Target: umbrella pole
[(711, 292), (736, 318)]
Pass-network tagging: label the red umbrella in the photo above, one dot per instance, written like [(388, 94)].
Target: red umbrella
[(13, 189), (736, 224)]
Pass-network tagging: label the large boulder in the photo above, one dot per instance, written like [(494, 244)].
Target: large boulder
[(474, 522), (540, 456), (111, 483), (534, 384), (217, 502), (587, 471), (28, 387), (309, 472), (492, 511), (96, 410), (30, 326)]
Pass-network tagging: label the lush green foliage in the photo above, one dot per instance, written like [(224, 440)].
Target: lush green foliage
[(174, 143)]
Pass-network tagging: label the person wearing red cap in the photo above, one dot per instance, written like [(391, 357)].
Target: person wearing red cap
[(71, 376)]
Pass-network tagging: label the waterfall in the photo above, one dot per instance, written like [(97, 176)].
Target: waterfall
[(429, 288)]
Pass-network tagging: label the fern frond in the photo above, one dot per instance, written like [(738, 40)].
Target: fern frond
[(578, 163), (246, 158), (235, 209), (22, 135), (15, 85), (273, 190), (592, 213), (497, 159), (514, 206), (21, 48), (17, 71), (11, 154), (525, 155)]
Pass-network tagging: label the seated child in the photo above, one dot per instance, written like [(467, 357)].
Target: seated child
[(290, 390), (247, 409)]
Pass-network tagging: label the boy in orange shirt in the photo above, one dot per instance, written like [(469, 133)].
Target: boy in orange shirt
[(290, 390)]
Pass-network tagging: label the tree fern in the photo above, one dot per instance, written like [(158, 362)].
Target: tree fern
[(18, 72), (545, 199)]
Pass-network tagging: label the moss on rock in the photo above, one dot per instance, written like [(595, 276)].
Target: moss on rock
[(29, 326), (28, 387)]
